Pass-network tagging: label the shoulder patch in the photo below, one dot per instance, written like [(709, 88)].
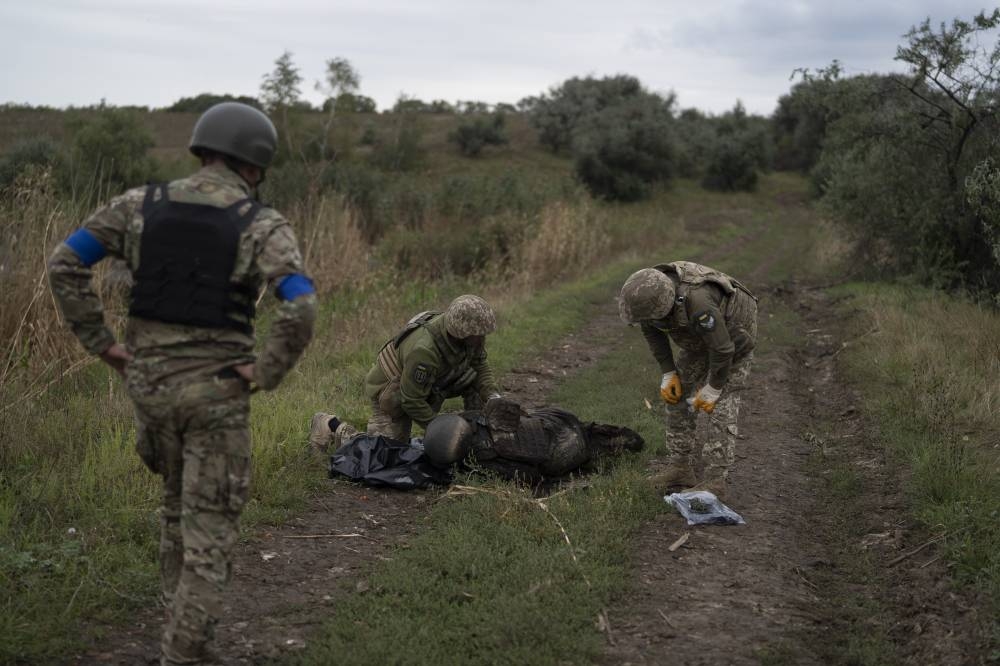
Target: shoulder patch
[(421, 374), (706, 320)]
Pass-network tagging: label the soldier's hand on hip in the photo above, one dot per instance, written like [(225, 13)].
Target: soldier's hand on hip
[(117, 357), (245, 371), (670, 388), (706, 398)]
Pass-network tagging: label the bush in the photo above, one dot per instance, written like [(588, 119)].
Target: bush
[(27, 155), (449, 251), (109, 152), (740, 147), (731, 166), (204, 101), (472, 137), (621, 151), (401, 150), (558, 114)]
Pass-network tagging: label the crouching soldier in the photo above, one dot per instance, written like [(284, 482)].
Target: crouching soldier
[(712, 320), (435, 357)]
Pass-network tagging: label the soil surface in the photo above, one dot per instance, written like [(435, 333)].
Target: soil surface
[(783, 589), (812, 576), (285, 577)]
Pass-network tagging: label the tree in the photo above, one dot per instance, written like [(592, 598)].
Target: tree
[(556, 115), (204, 101), (339, 80), (109, 151), (906, 159), (279, 91), (621, 151)]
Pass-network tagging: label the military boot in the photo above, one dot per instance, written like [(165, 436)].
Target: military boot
[(675, 476), (320, 434)]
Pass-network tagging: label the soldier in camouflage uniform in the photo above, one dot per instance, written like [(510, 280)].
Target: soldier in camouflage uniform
[(199, 250), (436, 356), (712, 320)]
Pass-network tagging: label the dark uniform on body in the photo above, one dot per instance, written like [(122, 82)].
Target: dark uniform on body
[(199, 249), (712, 320)]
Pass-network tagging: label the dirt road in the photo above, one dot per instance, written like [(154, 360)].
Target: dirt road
[(828, 569)]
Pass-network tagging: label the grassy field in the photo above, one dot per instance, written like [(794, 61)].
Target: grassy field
[(929, 367), (77, 510)]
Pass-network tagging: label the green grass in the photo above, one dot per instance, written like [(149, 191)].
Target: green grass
[(934, 402), (490, 577), (68, 460)]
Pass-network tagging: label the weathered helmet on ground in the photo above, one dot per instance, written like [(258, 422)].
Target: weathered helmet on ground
[(448, 439), (237, 130), (646, 294), (469, 315)]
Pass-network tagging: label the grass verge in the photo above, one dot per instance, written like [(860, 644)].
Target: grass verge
[(491, 577), (928, 365)]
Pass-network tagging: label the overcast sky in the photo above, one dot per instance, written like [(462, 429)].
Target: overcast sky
[(710, 52)]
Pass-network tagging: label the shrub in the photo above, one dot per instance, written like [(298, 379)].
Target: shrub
[(558, 114), (109, 152), (731, 166), (26, 155), (401, 149), (621, 151), (204, 101), (472, 137)]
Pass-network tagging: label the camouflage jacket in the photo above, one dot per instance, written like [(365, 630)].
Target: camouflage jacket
[(175, 353), (714, 317), (432, 366)]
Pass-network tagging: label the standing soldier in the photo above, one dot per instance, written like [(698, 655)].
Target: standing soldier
[(199, 250), (712, 320), (436, 356)]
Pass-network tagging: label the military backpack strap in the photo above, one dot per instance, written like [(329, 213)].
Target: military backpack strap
[(416, 322)]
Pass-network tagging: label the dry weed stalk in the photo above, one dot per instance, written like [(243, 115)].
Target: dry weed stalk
[(568, 240)]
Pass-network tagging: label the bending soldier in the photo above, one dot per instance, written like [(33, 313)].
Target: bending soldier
[(436, 356), (712, 320), (199, 251)]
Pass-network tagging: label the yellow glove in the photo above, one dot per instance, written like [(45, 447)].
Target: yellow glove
[(670, 388), (705, 399)]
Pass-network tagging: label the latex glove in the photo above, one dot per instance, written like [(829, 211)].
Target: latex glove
[(670, 387), (705, 399)]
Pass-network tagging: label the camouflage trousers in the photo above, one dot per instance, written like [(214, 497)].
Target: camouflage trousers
[(196, 437), (709, 452), (389, 420)]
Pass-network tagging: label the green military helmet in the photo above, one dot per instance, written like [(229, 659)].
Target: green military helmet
[(448, 439), (237, 130), (646, 294), (469, 315)]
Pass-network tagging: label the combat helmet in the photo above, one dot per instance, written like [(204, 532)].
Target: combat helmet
[(469, 315), (646, 294), (448, 439), (237, 130)]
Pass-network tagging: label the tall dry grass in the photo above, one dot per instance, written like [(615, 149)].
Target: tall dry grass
[(35, 344), (570, 238)]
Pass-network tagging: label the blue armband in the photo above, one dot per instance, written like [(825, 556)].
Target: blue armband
[(86, 246), (295, 285)]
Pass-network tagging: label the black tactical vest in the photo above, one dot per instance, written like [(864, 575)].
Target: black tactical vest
[(187, 253)]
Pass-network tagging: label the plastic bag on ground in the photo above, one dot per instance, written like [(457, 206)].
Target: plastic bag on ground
[(701, 507)]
